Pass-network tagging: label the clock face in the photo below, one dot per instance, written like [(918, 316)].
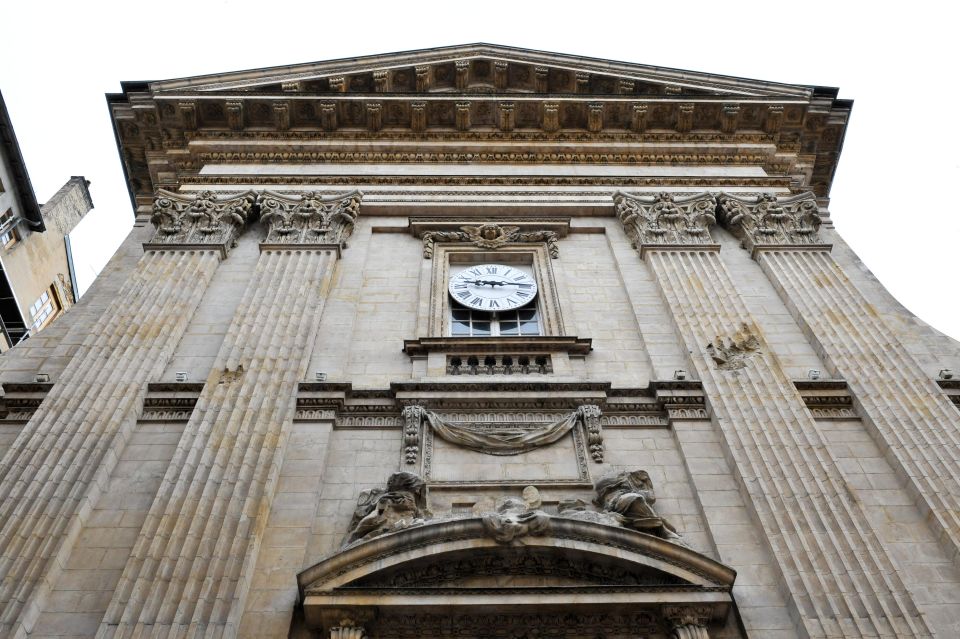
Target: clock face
[(492, 287)]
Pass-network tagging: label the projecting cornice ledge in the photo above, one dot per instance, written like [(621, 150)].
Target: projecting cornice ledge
[(768, 223)]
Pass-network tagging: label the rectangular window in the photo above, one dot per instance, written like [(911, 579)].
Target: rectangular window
[(465, 322), (44, 309), (8, 229)]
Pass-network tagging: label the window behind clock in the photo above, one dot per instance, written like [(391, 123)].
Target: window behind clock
[(467, 322), (493, 300)]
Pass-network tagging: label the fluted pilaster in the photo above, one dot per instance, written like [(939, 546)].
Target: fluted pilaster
[(192, 563), (53, 473), (907, 413), (837, 574)]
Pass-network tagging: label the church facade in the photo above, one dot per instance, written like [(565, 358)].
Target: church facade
[(481, 342)]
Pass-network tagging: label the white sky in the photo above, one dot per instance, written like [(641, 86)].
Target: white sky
[(892, 196)]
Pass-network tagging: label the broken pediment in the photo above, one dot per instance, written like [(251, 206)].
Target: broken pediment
[(479, 69)]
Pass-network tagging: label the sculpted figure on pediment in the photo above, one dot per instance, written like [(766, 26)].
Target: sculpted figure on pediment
[(513, 518), (401, 505), (630, 495)]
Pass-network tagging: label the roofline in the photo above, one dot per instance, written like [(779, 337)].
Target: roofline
[(27, 198), (478, 47)]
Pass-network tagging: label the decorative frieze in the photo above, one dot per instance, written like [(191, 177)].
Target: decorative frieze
[(491, 236), (667, 221), (309, 220), (768, 222), (205, 221)]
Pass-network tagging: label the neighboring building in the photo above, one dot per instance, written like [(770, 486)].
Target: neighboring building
[(37, 280), (481, 342)]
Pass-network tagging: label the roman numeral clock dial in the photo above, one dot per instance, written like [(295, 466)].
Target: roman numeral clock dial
[(492, 287)]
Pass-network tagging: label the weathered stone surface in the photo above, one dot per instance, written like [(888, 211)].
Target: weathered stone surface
[(218, 505)]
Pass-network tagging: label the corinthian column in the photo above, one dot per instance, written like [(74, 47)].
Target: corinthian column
[(51, 477), (191, 567), (837, 575), (907, 413)]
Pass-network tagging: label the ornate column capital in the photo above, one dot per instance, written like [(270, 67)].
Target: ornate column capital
[(766, 222), (308, 221), (687, 622), (666, 221), (204, 221)]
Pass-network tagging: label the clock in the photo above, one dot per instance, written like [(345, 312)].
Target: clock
[(492, 287)]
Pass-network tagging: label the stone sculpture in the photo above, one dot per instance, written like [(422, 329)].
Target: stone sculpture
[(401, 505), (515, 518), (630, 495)]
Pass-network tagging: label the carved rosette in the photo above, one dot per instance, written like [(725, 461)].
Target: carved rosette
[(768, 222), (590, 414), (687, 622), (412, 424), (309, 219), (206, 220), (491, 236), (667, 221)]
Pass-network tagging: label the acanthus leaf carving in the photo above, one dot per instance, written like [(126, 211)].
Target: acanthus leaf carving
[(687, 622), (491, 236), (666, 220), (309, 219), (204, 219), (768, 221), (590, 414), (412, 425)]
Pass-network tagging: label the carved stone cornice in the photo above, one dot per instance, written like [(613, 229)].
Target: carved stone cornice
[(665, 221), (766, 222), (205, 221), (489, 235), (309, 220)]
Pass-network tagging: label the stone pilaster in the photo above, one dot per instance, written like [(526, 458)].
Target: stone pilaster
[(907, 413), (839, 578), (687, 622), (52, 476), (191, 566)]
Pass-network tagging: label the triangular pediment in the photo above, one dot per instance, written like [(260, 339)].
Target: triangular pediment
[(478, 69)]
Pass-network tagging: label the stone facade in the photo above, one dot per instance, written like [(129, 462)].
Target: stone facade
[(270, 417)]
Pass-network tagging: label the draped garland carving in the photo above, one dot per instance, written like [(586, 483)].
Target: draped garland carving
[(501, 440)]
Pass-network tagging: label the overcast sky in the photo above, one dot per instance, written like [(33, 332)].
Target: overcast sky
[(892, 198)]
